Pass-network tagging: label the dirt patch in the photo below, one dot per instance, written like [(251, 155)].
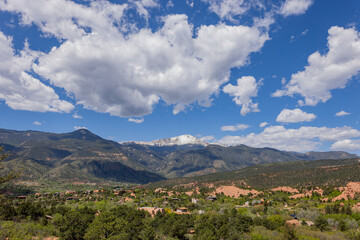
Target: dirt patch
[(188, 185), (293, 222), (28, 183), (356, 207), (78, 183), (219, 164), (46, 238)]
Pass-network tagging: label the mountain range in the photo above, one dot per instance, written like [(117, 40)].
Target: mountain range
[(299, 174), (84, 156)]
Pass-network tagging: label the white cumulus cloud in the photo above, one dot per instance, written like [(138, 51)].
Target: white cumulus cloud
[(228, 8), (136, 120), (301, 139), (243, 92), (327, 72), (77, 116), (346, 145), (294, 116), (37, 123), (263, 124), (295, 7), (79, 127), (19, 89), (145, 67), (66, 19), (231, 9), (209, 138), (234, 128), (109, 68), (342, 113), (143, 5)]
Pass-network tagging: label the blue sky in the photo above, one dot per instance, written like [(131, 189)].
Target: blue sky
[(282, 74)]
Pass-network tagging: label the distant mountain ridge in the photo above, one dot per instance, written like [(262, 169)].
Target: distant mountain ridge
[(179, 140), (17, 138), (317, 173), (82, 155)]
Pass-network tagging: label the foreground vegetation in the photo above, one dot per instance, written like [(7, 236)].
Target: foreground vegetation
[(121, 213)]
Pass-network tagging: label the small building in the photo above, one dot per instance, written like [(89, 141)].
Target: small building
[(256, 202), (182, 210), (194, 200), (310, 223), (70, 192), (211, 198), (71, 198), (127, 199), (38, 194), (160, 190), (21, 197), (201, 212)]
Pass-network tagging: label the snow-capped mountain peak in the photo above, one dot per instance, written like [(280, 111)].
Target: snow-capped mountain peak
[(179, 140)]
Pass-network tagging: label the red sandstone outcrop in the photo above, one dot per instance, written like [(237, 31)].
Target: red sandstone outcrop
[(308, 193), (300, 195), (233, 191), (285, 189), (348, 192)]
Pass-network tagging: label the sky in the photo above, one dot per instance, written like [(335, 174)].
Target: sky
[(281, 74)]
